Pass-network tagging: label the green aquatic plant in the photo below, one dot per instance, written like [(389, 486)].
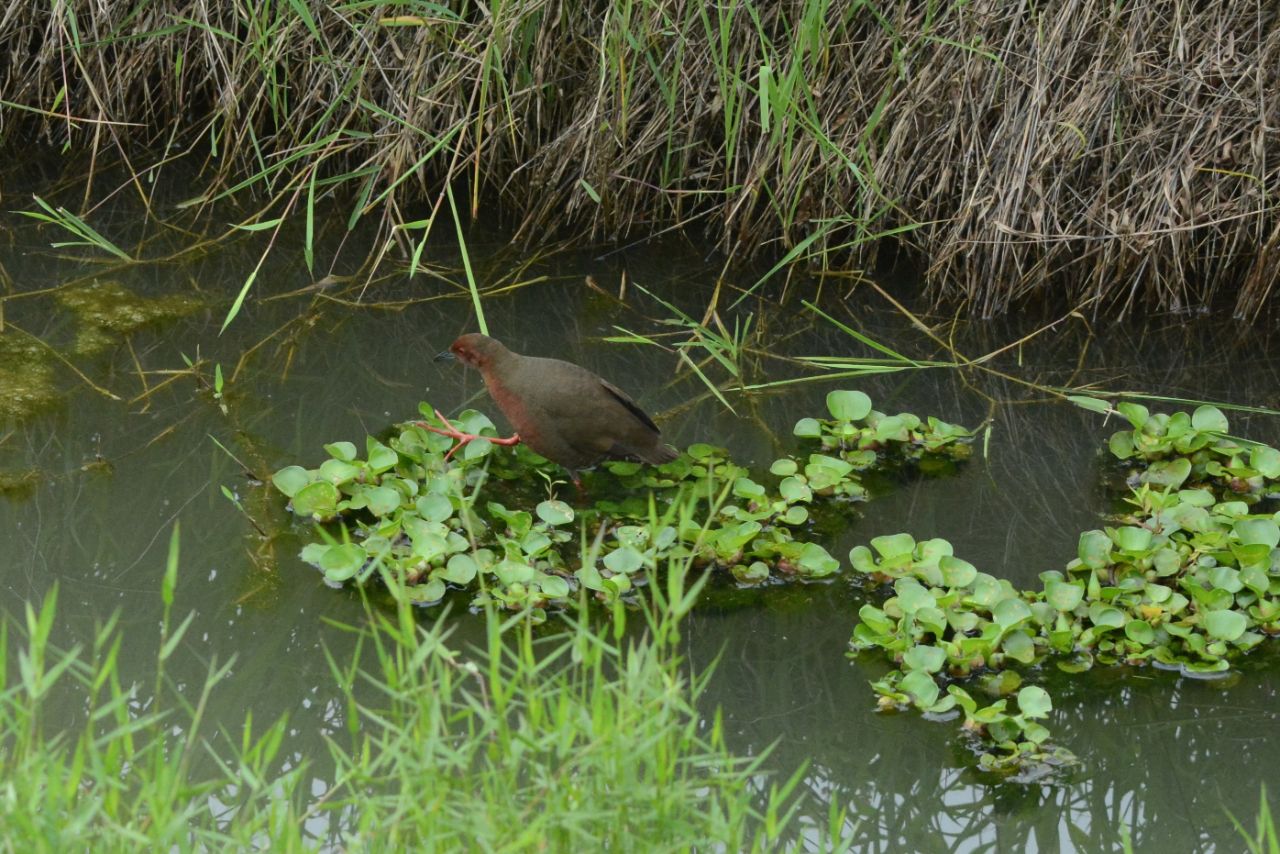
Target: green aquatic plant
[(425, 522), (1188, 579)]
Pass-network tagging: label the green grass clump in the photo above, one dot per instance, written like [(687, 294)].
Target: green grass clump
[(580, 740)]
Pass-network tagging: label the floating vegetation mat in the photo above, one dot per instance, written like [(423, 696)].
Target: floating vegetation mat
[(423, 523), (1186, 578)]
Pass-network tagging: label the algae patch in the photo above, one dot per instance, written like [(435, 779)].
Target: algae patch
[(108, 311), (26, 379)]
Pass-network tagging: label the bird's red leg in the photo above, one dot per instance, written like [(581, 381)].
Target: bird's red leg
[(463, 438)]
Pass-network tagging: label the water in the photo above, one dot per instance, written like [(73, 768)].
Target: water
[(1164, 757)]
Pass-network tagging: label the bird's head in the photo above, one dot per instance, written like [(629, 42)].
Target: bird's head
[(475, 350)]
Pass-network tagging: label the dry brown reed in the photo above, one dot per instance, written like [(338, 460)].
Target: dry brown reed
[(1121, 152)]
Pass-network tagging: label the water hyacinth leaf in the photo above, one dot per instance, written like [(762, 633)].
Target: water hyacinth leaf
[(428, 545), (341, 562), (632, 535), (848, 405), (808, 428), (319, 500), (338, 472), (1094, 549), (861, 559), (427, 593), (1257, 532), (290, 479), (702, 451), (957, 572), (514, 572), (624, 561), (1106, 616), (870, 615), (381, 500), (476, 449), (754, 573), (784, 467), (793, 490), (1266, 461), (1256, 579), (1019, 646), (912, 595), (434, 507), (1121, 444), (924, 657), (796, 515), (312, 552), (1226, 578), (381, 458), (921, 687), (554, 586), (1209, 418), (931, 552), (816, 561), (1034, 702), (1140, 632), (554, 512), (344, 451), (1170, 473), (1064, 595), (986, 590), (892, 429), (461, 569), (894, 545), (932, 619), (1132, 539), (1197, 497), (1224, 624), (1010, 612), (535, 543), (1135, 413)]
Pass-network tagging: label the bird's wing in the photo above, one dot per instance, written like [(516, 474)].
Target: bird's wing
[(622, 397)]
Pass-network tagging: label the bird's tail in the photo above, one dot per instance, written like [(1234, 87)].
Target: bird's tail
[(659, 454)]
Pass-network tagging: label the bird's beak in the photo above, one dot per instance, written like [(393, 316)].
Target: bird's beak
[(444, 356)]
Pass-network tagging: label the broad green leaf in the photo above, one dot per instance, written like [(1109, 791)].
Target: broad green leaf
[(924, 657), (290, 479), (625, 560), (848, 405), (1064, 595), (1034, 702), (319, 499), (555, 512), (461, 569), (1225, 625), (344, 451), (1209, 418), (808, 428), (341, 562)]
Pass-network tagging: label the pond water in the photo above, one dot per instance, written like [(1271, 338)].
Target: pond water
[(1164, 757)]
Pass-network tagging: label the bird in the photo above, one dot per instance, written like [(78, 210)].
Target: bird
[(561, 410)]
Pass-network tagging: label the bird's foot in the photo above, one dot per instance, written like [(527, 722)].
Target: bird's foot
[(463, 438)]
